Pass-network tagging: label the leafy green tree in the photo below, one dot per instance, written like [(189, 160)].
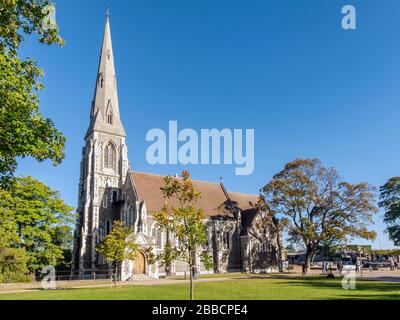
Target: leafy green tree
[(13, 265), (318, 206), (390, 201), (388, 252), (38, 220), (180, 217), (13, 260), (20, 17), (118, 246), (23, 129), (8, 228), (330, 249)]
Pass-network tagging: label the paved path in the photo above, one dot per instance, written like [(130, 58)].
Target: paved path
[(387, 276), (380, 275)]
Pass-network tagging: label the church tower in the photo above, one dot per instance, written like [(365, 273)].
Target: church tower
[(104, 165)]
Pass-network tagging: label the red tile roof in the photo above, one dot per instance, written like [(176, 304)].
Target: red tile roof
[(212, 197)]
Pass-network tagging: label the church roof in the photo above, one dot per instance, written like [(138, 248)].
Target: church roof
[(148, 187)]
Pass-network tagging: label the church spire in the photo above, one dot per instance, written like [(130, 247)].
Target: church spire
[(105, 115)]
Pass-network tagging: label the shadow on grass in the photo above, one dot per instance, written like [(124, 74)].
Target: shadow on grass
[(379, 290), (313, 287), (367, 297)]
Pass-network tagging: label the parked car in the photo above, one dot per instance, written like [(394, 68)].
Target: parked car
[(348, 265), (376, 265)]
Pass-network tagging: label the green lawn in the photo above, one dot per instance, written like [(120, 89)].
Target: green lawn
[(214, 275), (252, 289)]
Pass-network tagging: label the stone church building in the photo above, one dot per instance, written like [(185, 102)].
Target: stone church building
[(110, 190)]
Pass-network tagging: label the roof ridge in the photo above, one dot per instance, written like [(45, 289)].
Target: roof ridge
[(160, 175), (194, 180)]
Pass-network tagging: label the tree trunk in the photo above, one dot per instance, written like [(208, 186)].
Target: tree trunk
[(115, 275), (191, 283), (309, 255), (279, 252)]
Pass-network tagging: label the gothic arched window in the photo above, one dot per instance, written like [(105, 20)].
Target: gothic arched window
[(109, 156), (157, 235), (108, 227), (109, 118), (109, 114), (227, 240)]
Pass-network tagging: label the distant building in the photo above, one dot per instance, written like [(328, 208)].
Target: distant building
[(358, 248)]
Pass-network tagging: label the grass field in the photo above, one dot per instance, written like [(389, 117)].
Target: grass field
[(220, 275), (235, 289)]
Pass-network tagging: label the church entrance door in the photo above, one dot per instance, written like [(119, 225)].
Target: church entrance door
[(140, 264)]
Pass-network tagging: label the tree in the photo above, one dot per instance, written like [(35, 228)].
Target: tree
[(13, 260), (13, 265), (180, 217), (23, 129), (390, 201), (267, 227), (318, 206), (118, 246), (330, 249), (38, 221)]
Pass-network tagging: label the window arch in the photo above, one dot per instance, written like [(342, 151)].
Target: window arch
[(105, 201), (108, 227), (159, 238), (110, 118), (227, 240), (109, 156), (157, 235), (109, 113)]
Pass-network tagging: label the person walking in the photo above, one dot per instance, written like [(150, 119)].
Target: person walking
[(340, 267)]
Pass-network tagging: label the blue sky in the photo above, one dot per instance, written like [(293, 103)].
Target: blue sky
[(285, 68)]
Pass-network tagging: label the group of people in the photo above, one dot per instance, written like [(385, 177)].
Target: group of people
[(328, 266)]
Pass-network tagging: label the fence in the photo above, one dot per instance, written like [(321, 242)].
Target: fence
[(68, 274)]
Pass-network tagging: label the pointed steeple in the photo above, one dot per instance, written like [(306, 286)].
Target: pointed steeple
[(105, 115)]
